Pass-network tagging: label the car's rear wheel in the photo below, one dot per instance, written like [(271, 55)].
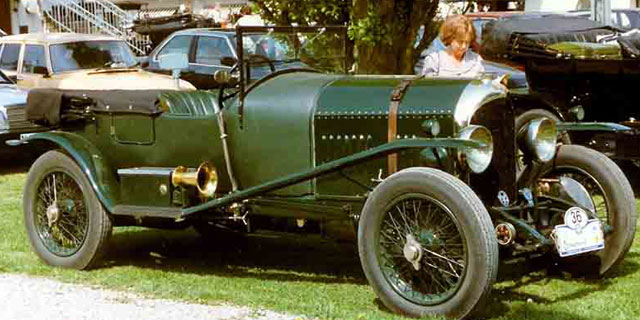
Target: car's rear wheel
[(66, 223), (426, 244)]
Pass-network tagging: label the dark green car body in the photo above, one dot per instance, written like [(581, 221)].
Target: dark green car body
[(324, 118)]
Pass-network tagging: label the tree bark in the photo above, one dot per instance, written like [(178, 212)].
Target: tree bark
[(396, 52)]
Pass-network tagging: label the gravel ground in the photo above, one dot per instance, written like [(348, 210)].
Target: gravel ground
[(25, 298)]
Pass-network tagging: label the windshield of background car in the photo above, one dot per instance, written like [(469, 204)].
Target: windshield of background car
[(10, 55), (90, 55), (320, 50)]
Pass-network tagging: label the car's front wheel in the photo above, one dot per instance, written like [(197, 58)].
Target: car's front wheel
[(426, 244), (65, 221), (610, 193)]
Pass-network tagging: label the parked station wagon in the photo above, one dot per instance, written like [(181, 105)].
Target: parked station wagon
[(435, 173), (77, 61)]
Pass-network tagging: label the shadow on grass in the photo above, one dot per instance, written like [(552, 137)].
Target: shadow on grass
[(542, 272), (532, 312), (262, 255), (17, 165), (310, 258)]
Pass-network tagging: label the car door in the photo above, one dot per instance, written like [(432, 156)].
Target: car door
[(10, 58), (209, 51), (33, 69)]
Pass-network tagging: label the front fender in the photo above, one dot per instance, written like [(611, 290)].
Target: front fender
[(591, 126), (101, 176)]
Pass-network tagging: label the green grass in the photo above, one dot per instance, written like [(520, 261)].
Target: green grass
[(296, 274)]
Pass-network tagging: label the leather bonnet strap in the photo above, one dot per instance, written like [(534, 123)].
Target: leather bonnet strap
[(396, 99)]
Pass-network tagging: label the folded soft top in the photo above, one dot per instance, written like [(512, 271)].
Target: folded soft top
[(46, 106), (513, 39)]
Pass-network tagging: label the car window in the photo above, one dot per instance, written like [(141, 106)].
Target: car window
[(478, 24), (211, 49), (624, 22), (33, 57), (90, 55), (10, 55), (179, 44), (267, 46)]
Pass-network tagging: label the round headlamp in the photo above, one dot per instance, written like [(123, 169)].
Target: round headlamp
[(478, 159), (541, 137)]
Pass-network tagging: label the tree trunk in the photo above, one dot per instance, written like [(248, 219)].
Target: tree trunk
[(395, 53)]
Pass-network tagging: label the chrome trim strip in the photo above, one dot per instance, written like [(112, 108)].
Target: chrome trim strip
[(146, 171)]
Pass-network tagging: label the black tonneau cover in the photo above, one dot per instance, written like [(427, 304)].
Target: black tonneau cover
[(47, 106), (514, 38)]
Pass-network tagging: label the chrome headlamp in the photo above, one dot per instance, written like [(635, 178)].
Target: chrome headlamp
[(478, 159), (540, 138)]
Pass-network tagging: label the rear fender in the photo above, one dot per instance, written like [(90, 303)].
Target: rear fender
[(101, 176)]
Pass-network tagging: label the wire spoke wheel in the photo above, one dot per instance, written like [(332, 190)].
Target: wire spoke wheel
[(426, 244), (66, 223), (61, 214), (595, 190), (422, 250)]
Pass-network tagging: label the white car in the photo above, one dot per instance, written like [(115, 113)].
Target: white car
[(78, 62)]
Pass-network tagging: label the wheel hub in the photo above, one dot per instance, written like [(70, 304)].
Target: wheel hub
[(413, 251), (53, 214)]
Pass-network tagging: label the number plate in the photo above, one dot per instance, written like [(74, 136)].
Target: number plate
[(578, 234)]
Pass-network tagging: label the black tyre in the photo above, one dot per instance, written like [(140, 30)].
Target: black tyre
[(65, 221), (611, 193), (426, 244)]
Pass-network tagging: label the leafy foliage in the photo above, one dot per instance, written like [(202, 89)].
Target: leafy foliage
[(304, 12), (383, 33)]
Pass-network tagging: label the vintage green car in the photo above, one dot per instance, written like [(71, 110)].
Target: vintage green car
[(432, 172)]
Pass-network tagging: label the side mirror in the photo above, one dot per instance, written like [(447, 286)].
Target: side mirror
[(222, 77), (228, 61), (174, 62), (13, 78)]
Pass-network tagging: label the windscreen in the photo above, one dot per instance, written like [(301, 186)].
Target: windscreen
[(90, 55), (322, 49)]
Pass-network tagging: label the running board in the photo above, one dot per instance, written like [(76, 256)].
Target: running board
[(144, 211)]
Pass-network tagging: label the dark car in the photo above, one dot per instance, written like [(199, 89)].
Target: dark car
[(577, 76), (431, 175), (210, 50)]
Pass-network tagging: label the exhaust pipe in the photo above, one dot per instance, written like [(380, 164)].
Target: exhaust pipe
[(205, 179)]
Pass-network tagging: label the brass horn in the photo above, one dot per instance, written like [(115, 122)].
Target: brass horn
[(205, 178)]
